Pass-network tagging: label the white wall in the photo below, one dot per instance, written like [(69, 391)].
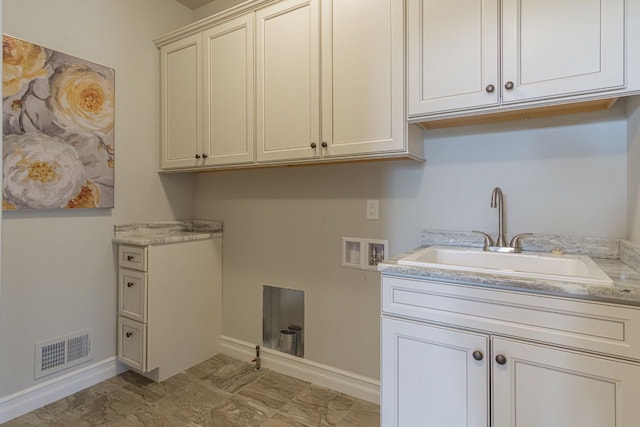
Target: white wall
[(283, 226), (215, 7), (58, 267), (633, 166)]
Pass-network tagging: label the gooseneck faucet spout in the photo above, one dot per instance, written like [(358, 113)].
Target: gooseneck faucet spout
[(497, 201)]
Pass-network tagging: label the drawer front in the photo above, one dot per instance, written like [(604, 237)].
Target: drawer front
[(132, 294), (133, 257), (132, 343), (593, 326)]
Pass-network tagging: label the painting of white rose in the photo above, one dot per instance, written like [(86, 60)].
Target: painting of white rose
[(58, 125)]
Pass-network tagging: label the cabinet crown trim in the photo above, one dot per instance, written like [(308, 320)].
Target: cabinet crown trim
[(210, 21)]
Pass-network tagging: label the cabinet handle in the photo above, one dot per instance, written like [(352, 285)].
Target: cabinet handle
[(508, 85), (478, 355), (129, 284), (197, 156), (128, 334), (490, 88), (313, 145), (129, 257), (501, 360), (204, 156), (324, 144)]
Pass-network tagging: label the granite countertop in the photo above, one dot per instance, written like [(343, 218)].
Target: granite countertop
[(158, 233), (622, 264)]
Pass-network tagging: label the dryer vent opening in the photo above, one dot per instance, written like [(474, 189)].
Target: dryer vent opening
[(283, 320)]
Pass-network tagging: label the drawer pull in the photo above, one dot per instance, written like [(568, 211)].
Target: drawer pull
[(501, 360), (128, 334), (129, 284), (129, 257), (477, 355)]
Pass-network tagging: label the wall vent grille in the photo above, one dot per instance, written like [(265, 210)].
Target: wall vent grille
[(62, 353)]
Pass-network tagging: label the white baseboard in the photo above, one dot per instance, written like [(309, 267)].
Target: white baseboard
[(327, 376), (42, 394)]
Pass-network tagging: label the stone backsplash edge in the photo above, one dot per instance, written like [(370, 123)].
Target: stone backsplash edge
[(595, 247)]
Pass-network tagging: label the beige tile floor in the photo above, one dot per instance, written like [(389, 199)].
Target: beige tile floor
[(220, 392)]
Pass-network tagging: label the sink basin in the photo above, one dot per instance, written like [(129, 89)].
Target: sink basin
[(537, 265)]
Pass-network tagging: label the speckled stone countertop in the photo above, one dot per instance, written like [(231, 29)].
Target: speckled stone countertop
[(620, 259), (158, 233)]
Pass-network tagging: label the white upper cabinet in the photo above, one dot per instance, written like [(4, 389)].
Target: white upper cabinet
[(452, 55), (229, 92), (181, 102), (362, 77), (346, 99), (288, 80), (480, 54), (274, 82), (554, 48)]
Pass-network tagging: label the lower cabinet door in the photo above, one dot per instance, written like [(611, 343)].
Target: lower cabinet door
[(433, 376), (132, 343), (535, 386)]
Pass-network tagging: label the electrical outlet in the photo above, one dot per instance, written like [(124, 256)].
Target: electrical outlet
[(372, 209)]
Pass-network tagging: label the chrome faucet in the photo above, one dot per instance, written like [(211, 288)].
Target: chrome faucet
[(500, 245), (498, 202)]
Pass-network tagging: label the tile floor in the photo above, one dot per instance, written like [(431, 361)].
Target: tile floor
[(220, 392)]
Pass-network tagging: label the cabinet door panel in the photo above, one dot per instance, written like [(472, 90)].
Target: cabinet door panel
[(229, 76), (553, 48), (132, 343), (181, 97), (132, 295), (430, 378), (543, 386), (452, 54), (362, 78), (288, 83)]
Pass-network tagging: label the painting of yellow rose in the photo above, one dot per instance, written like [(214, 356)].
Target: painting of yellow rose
[(58, 126)]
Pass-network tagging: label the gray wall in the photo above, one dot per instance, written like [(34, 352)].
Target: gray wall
[(58, 267), (633, 169), (283, 226)]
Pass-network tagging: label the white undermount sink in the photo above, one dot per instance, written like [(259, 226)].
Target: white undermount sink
[(537, 265)]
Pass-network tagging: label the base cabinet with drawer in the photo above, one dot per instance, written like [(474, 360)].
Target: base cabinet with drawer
[(435, 373), (169, 305)]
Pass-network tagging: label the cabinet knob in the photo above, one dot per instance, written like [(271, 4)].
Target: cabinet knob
[(490, 88), (477, 355), (508, 85), (128, 334), (313, 145), (204, 156), (129, 257), (197, 156), (324, 144), (129, 284), (501, 360)]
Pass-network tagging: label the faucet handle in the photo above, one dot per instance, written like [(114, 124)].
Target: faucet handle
[(488, 241), (515, 241)]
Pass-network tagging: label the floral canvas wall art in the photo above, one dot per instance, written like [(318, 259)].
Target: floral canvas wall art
[(58, 129)]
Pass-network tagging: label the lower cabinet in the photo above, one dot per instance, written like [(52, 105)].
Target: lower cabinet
[(169, 306), (434, 375), (430, 376)]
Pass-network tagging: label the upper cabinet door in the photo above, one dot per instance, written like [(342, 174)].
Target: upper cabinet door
[(229, 92), (452, 55), (555, 48), (288, 85), (181, 102), (362, 76)]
